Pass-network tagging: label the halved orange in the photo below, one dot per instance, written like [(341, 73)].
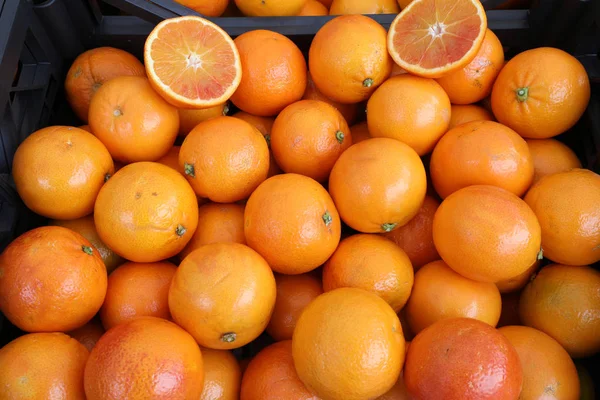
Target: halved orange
[(192, 63), (430, 38)]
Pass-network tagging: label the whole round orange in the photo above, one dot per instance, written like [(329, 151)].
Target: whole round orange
[(372, 263), (460, 114), (51, 280), (59, 170), (551, 156), (440, 363), (378, 185), (189, 118), (548, 371), (222, 375), (146, 358), (171, 159), (209, 8), (224, 159), (567, 204), (147, 212), (313, 8), (564, 302), (360, 132), (261, 8), (440, 293), (132, 120), (223, 294), (91, 69), (294, 293), (541, 93), (42, 366), (348, 58), (308, 137), (308, 224), (486, 233), (413, 110), (348, 7), (348, 111), (481, 153), (273, 71), (89, 334)]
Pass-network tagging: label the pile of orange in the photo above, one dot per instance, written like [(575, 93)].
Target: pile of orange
[(232, 194)]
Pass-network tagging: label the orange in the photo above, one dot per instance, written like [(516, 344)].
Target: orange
[(413, 110), (223, 294), (209, 8), (274, 71), (271, 376), (192, 63), (548, 371), (462, 358), (147, 212), (349, 111), (416, 236), (518, 282), (137, 289), (85, 128), (541, 93), (313, 8), (294, 293), (551, 156), (440, 293), (486, 233), (431, 38), (364, 7), (171, 159), (222, 375), (348, 344), (360, 132), (326, 3), (59, 170), (146, 358), (217, 223), (42, 366), (510, 309), (308, 224), (372, 263), (378, 185), (89, 334), (474, 82), (308, 137), (261, 8), (189, 118), (397, 70), (404, 3), (93, 68), (86, 227), (564, 302), (567, 204), (348, 58), (51, 279), (132, 120), (481, 153), (398, 391), (224, 159), (460, 114)]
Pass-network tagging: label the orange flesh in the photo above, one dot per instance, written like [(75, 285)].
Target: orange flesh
[(194, 61)]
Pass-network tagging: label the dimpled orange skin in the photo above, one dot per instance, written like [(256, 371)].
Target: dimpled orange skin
[(541, 93), (91, 70), (209, 8), (481, 153), (133, 121), (89, 334), (308, 137), (51, 280), (460, 114), (224, 159), (567, 204), (223, 294), (271, 375), (474, 82), (575, 323), (59, 170), (378, 185), (360, 132), (42, 366), (348, 111), (273, 73), (348, 58), (262, 8), (440, 293), (416, 237), (348, 344), (147, 212), (222, 375), (411, 109), (372, 263), (486, 233), (440, 363), (551, 156), (346, 7), (313, 8), (294, 293), (308, 224), (189, 118), (548, 370), (147, 358)]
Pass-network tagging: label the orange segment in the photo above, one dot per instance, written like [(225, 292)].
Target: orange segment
[(192, 62), (432, 37)]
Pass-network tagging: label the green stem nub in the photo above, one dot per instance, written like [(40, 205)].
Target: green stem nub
[(327, 218), (268, 139), (87, 250), (228, 337), (189, 170), (339, 135), (522, 94), (107, 177), (180, 230), (388, 227), (226, 109), (540, 255), (368, 82)]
